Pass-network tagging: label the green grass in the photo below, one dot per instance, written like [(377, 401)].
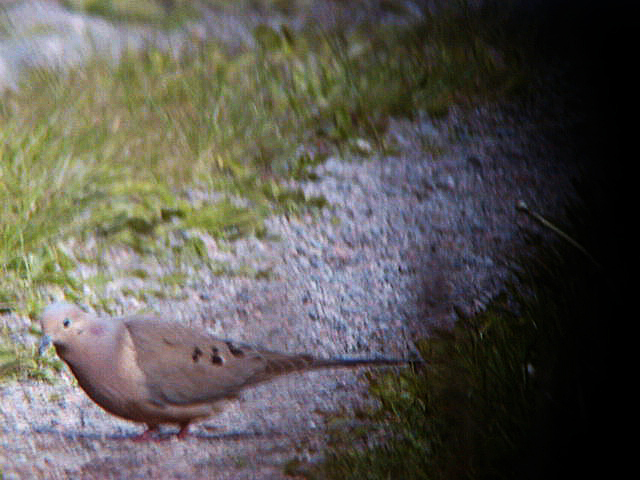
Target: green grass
[(19, 362), (505, 394), (114, 151), (164, 13), (514, 392)]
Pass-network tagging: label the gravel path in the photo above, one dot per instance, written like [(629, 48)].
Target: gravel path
[(407, 241)]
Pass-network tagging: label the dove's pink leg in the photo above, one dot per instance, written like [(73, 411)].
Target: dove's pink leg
[(184, 430), (147, 434)]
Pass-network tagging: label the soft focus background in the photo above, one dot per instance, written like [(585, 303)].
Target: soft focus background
[(366, 177)]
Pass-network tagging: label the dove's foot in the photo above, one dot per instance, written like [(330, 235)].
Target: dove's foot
[(148, 435), (184, 431)]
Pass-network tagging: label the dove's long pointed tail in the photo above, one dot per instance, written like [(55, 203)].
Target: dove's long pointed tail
[(278, 364), (282, 364), (356, 362)]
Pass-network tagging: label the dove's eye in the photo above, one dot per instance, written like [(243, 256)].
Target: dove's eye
[(66, 322)]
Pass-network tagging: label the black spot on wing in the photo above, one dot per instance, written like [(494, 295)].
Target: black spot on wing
[(235, 351), (216, 359), (197, 353)]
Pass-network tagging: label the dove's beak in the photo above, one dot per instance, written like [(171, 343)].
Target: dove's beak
[(45, 342)]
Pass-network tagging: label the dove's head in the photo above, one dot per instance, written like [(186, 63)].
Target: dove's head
[(64, 325)]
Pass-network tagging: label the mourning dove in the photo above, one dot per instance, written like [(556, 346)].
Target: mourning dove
[(147, 370)]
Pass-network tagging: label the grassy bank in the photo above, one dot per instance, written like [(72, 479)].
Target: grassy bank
[(515, 392), (527, 389)]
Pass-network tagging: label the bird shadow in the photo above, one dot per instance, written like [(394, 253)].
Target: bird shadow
[(169, 434)]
